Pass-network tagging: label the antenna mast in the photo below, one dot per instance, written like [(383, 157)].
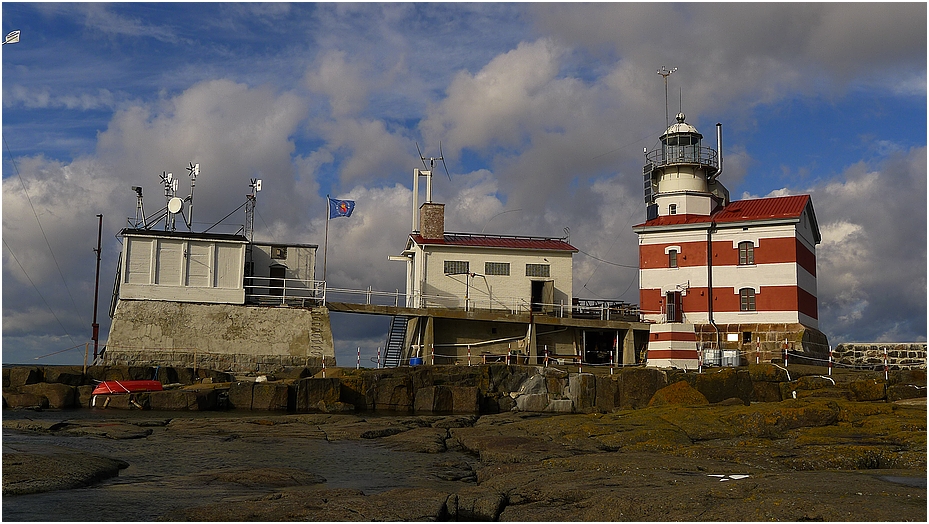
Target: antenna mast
[(192, 171), (665, 73), (251, 200), (426, 172)]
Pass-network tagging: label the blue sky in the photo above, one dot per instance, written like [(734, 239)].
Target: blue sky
[(543, 111)]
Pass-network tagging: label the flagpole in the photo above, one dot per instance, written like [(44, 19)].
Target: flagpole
[(326, 244)]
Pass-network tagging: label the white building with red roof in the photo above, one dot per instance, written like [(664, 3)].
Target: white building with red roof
[(471, 297), (734, 276), (490, 272)]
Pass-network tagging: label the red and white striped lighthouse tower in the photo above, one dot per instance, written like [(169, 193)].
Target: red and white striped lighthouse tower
[(727, 275)]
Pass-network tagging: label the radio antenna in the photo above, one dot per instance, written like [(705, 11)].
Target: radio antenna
[(665, 73), (432, 160), (192, 171)]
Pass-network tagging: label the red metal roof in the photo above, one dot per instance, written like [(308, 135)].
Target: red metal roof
[(763, 209), (496, 241), (741, 211)]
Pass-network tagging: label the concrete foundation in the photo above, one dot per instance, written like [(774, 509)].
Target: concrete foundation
[(218, 336)]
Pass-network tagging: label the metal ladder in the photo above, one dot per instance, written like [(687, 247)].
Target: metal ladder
[(393, 349)]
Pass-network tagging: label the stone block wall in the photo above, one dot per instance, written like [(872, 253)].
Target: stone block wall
[(861, 355), (227, 337), (227, 362), (767, 340)]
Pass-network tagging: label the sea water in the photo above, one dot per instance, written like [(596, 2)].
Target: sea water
[(162, 472)]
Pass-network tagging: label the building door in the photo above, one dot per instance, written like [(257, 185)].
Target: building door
[(276, 283), (674, 311), (543, 295)]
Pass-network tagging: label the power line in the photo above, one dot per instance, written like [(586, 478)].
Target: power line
[(37, 291), (47, 243), (607, 261)]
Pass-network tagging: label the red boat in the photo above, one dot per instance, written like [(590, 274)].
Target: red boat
[(116, 387)]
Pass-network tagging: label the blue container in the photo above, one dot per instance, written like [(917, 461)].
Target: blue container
[(416, 361)]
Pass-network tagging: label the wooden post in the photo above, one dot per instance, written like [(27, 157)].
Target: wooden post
[(86, 350)]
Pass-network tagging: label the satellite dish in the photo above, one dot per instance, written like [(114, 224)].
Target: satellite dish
[(175, 204)]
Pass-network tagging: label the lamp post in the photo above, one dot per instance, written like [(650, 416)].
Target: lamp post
[(11, 38)]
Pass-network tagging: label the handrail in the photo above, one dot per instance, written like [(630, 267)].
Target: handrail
[(691, 154), (294, 292)]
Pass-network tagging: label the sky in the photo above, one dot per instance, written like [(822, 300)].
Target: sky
[(542, 111)]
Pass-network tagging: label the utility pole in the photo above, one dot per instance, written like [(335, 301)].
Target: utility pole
[(95, 326)]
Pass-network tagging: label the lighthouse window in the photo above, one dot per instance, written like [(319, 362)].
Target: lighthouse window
[(747, 299), (672, 258), (746, 253), (672, 209)]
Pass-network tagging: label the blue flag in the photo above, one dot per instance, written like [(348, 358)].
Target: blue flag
[(341, 208)]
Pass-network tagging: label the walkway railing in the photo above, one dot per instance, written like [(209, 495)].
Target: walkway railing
[(293, 292), (268, 291)]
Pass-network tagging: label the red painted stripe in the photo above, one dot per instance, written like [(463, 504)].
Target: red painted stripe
[(653, 256), (807, 303), (676, 336), (726, 300), (769, 251), (806, 258), (677, 354)]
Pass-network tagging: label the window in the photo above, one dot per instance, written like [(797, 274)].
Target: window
[(746, 337), (747, 299), (456, 267), (672, 258), (497, 268), (672, 209), (746, 253), (538, 270), (279, 253)]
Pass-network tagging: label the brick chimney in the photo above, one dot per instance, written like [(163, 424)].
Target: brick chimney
[(432, 221)]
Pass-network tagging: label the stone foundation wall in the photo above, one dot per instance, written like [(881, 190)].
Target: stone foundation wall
[(230, 363), (767, 341), (217, 336), (864, 355), (490, 388)]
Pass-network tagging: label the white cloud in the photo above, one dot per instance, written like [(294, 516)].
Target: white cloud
[(871, 265), (343, 83)]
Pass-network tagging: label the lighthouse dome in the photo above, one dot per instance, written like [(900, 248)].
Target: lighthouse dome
[(681, 127)]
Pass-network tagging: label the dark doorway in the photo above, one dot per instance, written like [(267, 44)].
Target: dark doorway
[(276, 283), (599, 346), (543, 296)]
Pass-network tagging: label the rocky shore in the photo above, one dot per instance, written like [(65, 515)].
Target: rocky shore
[(682, 453)]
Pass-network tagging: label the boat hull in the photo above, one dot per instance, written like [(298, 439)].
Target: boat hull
[(117, 387)]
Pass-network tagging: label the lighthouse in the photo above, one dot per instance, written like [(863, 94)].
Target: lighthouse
[(726, 281)]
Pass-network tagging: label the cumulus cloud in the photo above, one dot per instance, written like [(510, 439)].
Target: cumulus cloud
[(542, 124), (233, 131), (872, 261)]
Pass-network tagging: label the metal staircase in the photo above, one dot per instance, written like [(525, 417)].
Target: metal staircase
[(393, 349)]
